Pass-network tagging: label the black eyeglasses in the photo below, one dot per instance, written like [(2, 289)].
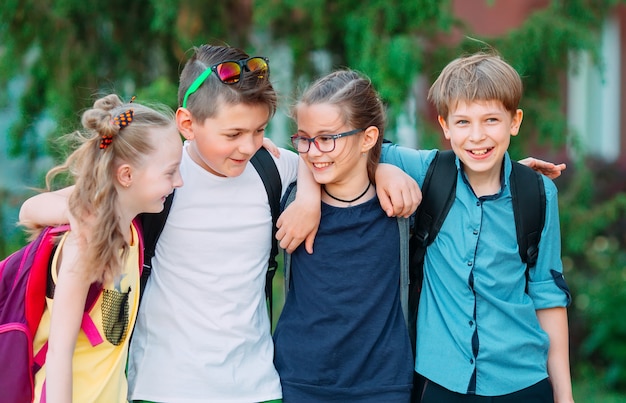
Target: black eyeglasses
[(230, 72), (325, 142)]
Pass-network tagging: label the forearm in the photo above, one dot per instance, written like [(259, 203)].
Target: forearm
[(309, 191), (300, 220), (554, 322), (44, 209)]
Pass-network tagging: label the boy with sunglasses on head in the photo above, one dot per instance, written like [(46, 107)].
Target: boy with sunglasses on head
[(203, 333)]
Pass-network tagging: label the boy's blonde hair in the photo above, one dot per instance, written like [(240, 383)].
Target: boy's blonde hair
[(204, 103), (478, 77)]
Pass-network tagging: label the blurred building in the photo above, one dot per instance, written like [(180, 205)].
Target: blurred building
[(596, 100)]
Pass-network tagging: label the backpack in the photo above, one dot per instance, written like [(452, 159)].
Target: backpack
[(438, 194), (153, 223), (23, 286)]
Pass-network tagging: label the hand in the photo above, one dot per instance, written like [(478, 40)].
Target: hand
[(548, 169), (299, 222), (398, 193), (271, 147)]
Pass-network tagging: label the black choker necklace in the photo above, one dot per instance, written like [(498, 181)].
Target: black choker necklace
[(348, 201)]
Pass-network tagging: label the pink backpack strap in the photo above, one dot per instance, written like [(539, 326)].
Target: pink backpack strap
[(43, 392), (90, 329)]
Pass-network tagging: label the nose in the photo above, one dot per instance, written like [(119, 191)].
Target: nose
[(313, 150), (476, 133), (250, 144), (178, 179)]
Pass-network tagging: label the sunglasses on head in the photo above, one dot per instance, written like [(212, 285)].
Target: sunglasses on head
[(231, 72)]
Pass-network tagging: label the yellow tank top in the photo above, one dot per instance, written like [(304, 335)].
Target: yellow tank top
[(99, 371)]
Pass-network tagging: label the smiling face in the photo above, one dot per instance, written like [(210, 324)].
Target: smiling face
[(223, 144), (343, 170), (158, 174), (479, 133)]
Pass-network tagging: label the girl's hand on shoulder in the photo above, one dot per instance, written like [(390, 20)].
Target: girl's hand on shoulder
[(548, 169), (398, 193), (271, 147)]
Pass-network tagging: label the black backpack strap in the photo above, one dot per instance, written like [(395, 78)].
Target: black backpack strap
[(266, 167), (152, 224), (151, 227), (529, 207), (438, 194)]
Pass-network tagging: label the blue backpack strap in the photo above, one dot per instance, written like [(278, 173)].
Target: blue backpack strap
[(405, 279), (290, 195)]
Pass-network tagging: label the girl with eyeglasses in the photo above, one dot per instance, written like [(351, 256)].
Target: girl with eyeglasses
[(342, 335)]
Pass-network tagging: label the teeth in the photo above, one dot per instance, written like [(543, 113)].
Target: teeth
[(322, 164), (479, 152)]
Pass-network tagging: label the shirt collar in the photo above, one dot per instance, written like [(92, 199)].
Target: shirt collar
[(505, 172)]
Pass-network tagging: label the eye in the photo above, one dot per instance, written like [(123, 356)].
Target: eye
[(462, 122), (324, 139)]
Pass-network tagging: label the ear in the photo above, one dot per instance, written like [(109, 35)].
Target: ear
[(516, 122), (125, 175), (184, 123), (370, 137), (444, 125)]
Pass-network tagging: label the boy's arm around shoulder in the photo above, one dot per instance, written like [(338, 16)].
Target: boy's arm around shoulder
[(44, 209), (413, 162), (300, 220)]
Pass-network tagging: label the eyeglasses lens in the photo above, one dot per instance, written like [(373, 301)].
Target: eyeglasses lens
[(325, 144), (229, 72), (257, 64)]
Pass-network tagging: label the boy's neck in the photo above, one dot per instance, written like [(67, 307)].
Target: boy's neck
[(484, 183)]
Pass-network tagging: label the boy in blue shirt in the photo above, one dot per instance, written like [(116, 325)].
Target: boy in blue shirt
[(485, 331)]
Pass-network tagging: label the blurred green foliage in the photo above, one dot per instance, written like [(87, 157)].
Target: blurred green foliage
[(70, 51)]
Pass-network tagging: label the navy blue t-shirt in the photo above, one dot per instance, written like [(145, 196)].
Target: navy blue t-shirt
[(341, 335)]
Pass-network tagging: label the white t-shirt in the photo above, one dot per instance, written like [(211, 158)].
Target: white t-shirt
[(203, 332)]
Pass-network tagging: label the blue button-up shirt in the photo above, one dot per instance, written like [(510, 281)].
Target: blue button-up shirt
[(478, 331)]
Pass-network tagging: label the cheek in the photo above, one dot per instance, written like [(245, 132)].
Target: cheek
[(211, 150)]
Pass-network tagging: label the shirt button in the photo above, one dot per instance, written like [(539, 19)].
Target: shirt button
[(469, 263), (475, 232), (471, 323), (471, 361), (478, 203)]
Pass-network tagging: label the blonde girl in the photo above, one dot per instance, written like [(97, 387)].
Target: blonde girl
[(126, 164)]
